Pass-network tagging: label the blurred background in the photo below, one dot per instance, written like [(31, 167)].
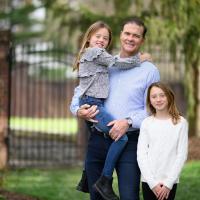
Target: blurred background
[(38, 42)]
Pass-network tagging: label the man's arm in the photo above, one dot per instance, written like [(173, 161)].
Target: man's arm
[(85, 111), (74, 106)]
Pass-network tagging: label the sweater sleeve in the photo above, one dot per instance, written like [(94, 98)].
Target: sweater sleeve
[(182, 150), (105, 59), (127, 63), (101, 57), (142, 156)]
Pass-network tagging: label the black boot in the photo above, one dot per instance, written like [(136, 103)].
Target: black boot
[(83, 183), (104, 187)]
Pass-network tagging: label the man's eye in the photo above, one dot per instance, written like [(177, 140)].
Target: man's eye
[(137, 36)]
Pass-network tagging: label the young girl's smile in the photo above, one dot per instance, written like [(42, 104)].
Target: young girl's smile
[(158, 99), (100, 38)]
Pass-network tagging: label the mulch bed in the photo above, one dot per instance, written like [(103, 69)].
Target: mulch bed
[(194, 148), (193, 154), (6, 195)]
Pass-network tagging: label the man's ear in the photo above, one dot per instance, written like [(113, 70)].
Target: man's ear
[(143, 40)]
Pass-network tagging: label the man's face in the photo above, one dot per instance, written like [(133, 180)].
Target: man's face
[(131, 39)]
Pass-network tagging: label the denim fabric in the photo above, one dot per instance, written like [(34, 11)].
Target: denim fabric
[(127, 168), (103, 116), (103, 119)]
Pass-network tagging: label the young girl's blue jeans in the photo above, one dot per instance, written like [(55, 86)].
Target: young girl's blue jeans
[(103, 118)]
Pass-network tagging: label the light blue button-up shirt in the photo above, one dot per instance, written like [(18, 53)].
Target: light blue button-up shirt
[(127, 94)]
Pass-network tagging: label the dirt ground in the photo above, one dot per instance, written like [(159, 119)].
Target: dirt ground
[(193, 154), (6, 195)]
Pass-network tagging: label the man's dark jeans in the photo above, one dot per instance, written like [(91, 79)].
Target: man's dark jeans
[(127, 168)]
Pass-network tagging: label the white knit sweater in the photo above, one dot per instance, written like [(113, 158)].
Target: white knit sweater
[(162, 150)]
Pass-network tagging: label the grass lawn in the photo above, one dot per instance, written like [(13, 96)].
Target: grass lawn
[(45, 125), (59, 184)]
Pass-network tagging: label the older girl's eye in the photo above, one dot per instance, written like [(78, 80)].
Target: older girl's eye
[(153, 96)]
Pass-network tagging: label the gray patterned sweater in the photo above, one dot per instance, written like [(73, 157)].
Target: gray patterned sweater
[(93, 70)]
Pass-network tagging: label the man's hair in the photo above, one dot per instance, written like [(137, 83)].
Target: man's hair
[(138, 21)]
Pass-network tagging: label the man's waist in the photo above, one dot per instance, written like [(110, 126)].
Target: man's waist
[(131, 133)]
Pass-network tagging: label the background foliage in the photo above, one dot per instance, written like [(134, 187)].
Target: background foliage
[(171, 24)]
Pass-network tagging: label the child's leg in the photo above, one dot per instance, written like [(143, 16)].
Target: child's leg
[(116, 148), (114, 152), (103, 116)]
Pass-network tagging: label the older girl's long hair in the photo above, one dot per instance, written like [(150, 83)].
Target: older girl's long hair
[(172, 108), (85, 42)]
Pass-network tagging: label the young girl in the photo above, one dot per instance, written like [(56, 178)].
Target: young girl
[(162, 144), (92, 64)]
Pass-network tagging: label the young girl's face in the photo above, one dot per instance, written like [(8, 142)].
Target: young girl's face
[(100, 38), (158, 99)]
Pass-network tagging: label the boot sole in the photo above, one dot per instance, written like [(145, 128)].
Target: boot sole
[(102, 194)]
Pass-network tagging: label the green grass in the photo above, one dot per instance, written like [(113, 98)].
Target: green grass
[(45, 125), (59, 184)]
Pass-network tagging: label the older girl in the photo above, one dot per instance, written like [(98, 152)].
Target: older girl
[(162, 144)]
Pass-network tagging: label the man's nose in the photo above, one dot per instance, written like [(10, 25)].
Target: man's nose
[(130, 37)]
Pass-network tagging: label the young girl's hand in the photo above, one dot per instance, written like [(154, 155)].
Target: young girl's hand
[(145, 57), (88, 112)]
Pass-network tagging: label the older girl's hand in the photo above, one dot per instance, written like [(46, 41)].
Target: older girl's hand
[(163, 193), (156, 189)]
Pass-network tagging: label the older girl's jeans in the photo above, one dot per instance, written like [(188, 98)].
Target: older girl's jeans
[(127, 169), (104, 118)]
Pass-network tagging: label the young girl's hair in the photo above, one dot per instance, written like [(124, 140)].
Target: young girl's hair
[(85, 42), (172, 108)]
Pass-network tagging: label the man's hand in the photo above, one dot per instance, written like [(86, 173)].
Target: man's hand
[(119, 128), (88, 112)]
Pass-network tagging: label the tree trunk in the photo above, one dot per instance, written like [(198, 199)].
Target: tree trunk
[(4, 94), (197, 120)]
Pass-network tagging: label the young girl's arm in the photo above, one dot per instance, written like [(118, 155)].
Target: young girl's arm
[(103, 58), (127, 63), (134, 61)]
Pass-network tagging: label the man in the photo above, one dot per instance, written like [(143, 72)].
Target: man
[(126, 103)]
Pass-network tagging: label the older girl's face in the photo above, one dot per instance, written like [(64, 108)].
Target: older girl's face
[(158, 99), (100, 38)]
